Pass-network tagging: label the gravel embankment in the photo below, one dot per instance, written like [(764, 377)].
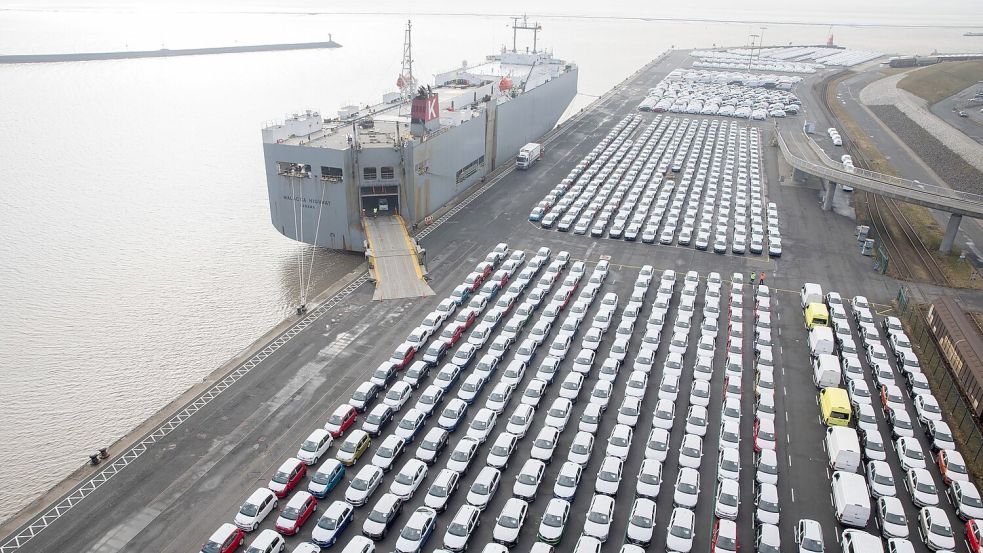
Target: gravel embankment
[(956, 172)]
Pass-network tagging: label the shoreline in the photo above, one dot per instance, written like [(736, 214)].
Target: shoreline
[(55, 493), (162, 53)]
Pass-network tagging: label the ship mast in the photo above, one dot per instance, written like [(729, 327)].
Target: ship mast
[(535, 28), (406, 81)]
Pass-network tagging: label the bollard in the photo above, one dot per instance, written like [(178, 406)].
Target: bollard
[(94, 459), (104, 453)]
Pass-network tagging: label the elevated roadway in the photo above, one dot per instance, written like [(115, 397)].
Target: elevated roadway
[(803, 154)]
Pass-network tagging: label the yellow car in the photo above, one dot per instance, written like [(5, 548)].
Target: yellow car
[(353, 447)]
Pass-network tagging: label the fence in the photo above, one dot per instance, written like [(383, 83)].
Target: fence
[(957, 413)]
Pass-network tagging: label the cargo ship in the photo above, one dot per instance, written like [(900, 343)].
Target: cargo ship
[(415, 150)]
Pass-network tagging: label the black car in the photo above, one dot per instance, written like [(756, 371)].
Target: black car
[(364, 395)]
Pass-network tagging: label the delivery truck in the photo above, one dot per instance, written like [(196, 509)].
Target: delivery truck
[(528, 155)]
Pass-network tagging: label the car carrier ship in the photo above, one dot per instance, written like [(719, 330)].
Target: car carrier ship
[(414, 151)]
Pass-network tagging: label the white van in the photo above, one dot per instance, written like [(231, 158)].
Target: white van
[(810, 293), (851, 499), (843, 448), (825, 371), (858, 541), (820, 340)]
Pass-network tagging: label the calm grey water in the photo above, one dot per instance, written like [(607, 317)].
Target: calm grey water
[(136, 253)]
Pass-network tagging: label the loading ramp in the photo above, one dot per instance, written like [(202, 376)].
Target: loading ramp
[(394, 259)]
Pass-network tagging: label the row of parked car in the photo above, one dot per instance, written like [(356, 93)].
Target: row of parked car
[(619, 189), (893, 388), (469, 309), (728, 94)]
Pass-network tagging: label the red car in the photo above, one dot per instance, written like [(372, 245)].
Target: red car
[(974, 537), (485, 268), (339, 421), (286, 478), (295, 513), (466, 318), (474, 281), (226, 539), (502, 278), (724, 537), (451, 333), (403, 355), (563, 296)]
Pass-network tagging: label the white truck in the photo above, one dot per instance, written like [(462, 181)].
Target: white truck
[(826, 371), (821, 341), (843, 448), (528, 155), (810, 293), (851, 499)]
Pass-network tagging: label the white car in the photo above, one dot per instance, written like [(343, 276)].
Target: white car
[(383, 514), (691, 451), (601, 394), (528, 480), (521, 420), (592, 339), (513, 373), (927, 408), (679, 538), (441, 490), (571, 385), (891, 518), (879, 479), (641, 522), (637, 384), (533, 393), (609, 476), (935, 529), (484, 487), (630, 410), (364, 484), (921, 486), (910, 453), (729, 464), (545, 444), (966, 499), (619, 442), (558, 413), (766, 504), (315, 446), (581, 448), (461, 527), (554, 521), (462, 455), (470, 389), (766, 467), (255, 509), (697, 420), (482, 424), (590, 420), (598, 521), (416, 531), (687, 488), (567, 480), (501, 450), (408, 479), (664, 414), (729, 435), (649, 479), (510, 522), (700, 393), (388, 452), (728, 499)]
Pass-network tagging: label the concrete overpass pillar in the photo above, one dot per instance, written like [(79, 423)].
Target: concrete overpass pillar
[(828, 196), (950, 233)]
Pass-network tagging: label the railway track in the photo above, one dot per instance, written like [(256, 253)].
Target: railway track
[(907, 252)]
